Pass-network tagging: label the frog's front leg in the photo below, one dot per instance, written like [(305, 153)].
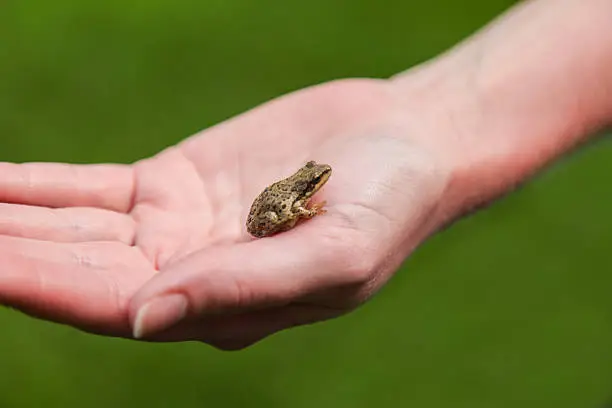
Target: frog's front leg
[(315, 209)]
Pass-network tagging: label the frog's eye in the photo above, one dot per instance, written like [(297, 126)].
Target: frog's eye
[(310, 164)]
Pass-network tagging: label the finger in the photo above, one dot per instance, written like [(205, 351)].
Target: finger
[(65, 224), (82, 285), (250, 276), (67, 185), (239, 331)]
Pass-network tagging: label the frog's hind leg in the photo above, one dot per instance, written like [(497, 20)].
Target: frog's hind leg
[(271, 216), (289, 224)]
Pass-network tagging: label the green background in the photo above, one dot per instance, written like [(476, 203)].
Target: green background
[(509, 308)]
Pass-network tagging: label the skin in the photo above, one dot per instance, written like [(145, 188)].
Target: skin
[(280, 206), (84, 245)]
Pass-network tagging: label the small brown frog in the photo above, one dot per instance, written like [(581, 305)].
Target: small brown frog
[(280, 206)]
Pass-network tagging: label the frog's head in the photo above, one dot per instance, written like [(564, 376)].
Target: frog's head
[(310, 178)]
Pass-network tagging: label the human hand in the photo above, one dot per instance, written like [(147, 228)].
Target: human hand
[(99, 247)]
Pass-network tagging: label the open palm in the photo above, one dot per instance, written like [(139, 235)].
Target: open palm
[(90, 245)]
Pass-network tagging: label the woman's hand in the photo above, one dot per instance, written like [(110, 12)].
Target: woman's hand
[(119, 250)]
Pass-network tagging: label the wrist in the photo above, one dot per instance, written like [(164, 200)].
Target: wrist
[(514, 97)]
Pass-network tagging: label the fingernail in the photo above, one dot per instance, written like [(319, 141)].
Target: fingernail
[(159, 314)]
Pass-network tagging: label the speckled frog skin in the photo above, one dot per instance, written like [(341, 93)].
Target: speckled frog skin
[(280, 206)]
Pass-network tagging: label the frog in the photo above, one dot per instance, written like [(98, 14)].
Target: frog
[(280, 206)]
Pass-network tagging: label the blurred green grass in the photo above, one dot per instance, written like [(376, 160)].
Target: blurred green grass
[(508, 308)]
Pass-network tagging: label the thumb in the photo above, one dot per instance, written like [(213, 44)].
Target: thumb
[(247, 276)]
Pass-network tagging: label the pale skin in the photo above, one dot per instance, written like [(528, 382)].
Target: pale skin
[(158, 250)]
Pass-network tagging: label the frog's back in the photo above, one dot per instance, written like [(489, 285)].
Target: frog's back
[(276, 199)]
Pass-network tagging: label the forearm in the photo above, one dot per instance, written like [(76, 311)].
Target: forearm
[(519, 93)]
